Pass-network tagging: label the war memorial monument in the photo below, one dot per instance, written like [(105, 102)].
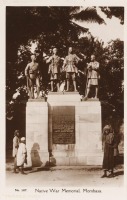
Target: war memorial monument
[(63, 126)]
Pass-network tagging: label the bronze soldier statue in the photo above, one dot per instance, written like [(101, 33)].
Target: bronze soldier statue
[(92, 76), (32, 76), (70, 68), (54, 69)]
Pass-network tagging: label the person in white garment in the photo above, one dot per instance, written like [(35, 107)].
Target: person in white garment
[(22, 155), (15, 148)]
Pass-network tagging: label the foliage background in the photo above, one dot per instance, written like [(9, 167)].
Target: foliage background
[(47, 27)]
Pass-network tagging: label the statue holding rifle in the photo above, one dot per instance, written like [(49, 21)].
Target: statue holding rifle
[(32, 76)]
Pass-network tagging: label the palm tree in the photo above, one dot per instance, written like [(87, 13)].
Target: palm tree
[(51, 24)]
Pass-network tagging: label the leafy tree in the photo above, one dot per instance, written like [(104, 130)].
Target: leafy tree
[(114, 11), (56, 26), (47, 26), (112, 89)]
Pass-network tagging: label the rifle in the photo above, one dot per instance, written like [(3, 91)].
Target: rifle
[(27, 83), (86, 79), (81, 72)]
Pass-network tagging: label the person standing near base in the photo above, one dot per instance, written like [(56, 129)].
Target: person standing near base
[(15, 148), (108, 146), (22, 155)]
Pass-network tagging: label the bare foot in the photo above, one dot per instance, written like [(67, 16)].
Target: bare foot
[(104, 175), (85, 98)]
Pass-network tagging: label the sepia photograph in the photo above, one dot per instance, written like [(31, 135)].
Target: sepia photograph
[(64, 76), (64, 96)]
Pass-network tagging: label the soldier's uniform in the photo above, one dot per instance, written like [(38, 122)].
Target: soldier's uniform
[(54, 67), (32, 71), (70, 62), (93, 74)]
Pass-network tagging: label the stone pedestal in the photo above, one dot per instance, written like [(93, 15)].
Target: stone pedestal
[(87, 148), (75, 140), (37, 132), (89, 135)]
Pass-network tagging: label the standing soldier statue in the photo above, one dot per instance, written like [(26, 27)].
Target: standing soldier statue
[(32, 76), (70, 68), (92, 76), (54, 69)]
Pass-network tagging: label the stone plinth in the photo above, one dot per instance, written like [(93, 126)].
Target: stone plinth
[(37, 132), (89, 136), (87, 148), (58, 98), (67, 127)]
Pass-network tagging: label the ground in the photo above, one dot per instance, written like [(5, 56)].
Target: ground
[(65, 176), (78, 176)]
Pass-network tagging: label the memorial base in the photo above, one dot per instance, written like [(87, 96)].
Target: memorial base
[(37, 133), (87, 147), (65, 127)]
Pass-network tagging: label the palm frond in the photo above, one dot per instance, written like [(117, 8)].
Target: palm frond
[(78, 27), (89, 15), (74, 9)]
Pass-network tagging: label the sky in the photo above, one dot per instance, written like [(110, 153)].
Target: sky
[(111, 31)]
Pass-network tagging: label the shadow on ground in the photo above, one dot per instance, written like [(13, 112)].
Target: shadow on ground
[(52, 167), (119, 173)]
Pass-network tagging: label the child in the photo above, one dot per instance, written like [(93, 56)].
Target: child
[(22, 155)]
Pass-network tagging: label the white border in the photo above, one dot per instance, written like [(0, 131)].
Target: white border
[(5, 193)]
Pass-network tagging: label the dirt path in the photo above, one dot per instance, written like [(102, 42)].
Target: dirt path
[(68, 177)]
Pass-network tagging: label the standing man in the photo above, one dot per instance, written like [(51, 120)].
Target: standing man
[(69, 66), (54, 69), (108, 147), (15, 148), (32, 75), (92, 76)]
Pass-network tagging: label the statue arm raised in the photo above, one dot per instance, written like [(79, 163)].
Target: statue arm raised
[(77, 58), (96, 67), (49, 59)]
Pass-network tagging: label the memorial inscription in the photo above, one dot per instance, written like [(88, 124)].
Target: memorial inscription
[(63, 122)]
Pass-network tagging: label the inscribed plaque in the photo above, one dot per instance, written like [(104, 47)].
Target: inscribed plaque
[(63, 124)]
